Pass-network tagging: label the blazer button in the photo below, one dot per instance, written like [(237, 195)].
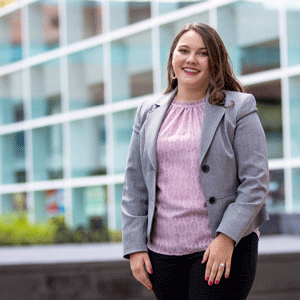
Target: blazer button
[(212, 200), (205, 168)]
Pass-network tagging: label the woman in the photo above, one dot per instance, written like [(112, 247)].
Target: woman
[(196, 178)]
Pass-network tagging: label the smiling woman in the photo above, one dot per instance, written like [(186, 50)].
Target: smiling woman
[(191, 225)]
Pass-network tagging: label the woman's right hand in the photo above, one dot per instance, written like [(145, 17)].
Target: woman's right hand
[(139, 263)]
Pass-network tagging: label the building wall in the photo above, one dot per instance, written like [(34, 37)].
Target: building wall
[(73, 72)]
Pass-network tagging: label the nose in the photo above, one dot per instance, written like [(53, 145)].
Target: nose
[(191, 58)]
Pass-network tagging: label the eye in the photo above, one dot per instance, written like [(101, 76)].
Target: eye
[(182, 51), (205, 53)]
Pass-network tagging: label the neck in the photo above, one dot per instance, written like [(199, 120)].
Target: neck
[(187, 95)]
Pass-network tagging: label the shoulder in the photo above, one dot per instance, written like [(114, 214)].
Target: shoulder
[(152, 102), (242, 103)]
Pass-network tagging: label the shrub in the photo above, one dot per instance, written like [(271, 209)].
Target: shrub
[(16, 229)]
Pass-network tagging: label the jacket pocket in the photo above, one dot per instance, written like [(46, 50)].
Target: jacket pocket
[(225, 196)]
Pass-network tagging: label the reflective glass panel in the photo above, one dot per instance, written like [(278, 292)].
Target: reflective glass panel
[(84, 19), (166, 6), (86, 82), (250, 32), (123, 123), (90, 207), (123, 13), (268, 98), (294, 83), (167, 34), (132, 72), (13, 157), (13, 203), (10, 38), (88, 142), (118, 197), (11, 98), (293, 29), (45, 89), (49, 203), (296, 190), (47, 152), (43, 26), (275, 199)]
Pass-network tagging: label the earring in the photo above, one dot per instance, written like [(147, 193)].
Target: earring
[(173, 76)]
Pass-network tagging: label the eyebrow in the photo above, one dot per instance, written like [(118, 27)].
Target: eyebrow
[(202, 48)]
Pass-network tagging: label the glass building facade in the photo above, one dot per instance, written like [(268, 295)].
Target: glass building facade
[(72, 74)]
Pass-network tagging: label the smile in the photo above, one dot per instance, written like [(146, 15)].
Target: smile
[(190, 71)]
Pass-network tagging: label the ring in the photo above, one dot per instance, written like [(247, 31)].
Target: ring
[(222, 265)]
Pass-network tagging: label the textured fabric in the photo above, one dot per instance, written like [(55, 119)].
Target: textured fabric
[(181, 223), (235, 186), (183, 277)]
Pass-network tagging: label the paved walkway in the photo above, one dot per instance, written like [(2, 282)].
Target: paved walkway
[(107, 252)]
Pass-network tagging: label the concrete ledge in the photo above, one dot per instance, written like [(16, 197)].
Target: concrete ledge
[(98, 271), (71, 253)]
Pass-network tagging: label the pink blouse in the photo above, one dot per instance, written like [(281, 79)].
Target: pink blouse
[(181, 224)]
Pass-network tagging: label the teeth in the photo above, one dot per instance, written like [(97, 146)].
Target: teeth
[(190, 70)]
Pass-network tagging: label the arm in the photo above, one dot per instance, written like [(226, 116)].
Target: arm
[(135, 210), (252, 169), (135, 197)]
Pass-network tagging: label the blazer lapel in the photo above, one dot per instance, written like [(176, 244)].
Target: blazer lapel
[(211, 119), (155, 119)]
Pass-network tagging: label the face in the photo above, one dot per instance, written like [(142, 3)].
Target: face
[(190, 62)]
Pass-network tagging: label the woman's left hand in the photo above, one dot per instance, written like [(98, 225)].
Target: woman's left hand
[(218, 252)]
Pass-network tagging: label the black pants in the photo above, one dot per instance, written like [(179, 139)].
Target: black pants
[(182, 277)]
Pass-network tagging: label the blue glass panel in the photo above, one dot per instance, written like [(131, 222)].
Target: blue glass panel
[(122, 126), (47, 153), (84, 19), (13, 158), (123, 13), (118, 197), (276, 197), (88, 144), (86, 78), (294, 83), (268, 98), (45, 89), (132, 74), (11, 98), (11, 40), (90, 207), (293, 29), (43, 26), (296, 190), (250, 31)]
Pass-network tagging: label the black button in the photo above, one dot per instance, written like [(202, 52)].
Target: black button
[(205, 168), (212, 200)]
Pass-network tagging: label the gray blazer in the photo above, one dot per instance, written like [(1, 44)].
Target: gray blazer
[(233, 169)]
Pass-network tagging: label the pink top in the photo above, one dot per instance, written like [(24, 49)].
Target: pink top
[(181, 223)]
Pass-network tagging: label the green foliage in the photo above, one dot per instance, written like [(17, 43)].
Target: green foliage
[(16, 229)]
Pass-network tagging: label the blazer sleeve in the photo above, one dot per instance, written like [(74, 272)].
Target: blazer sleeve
[(135, 196), (250, 150)]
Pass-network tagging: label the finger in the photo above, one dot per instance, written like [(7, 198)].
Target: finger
[(208, 269), (205, 256), (219, 274), (148, 265), (228, 268), (143, 278), (213, 273)]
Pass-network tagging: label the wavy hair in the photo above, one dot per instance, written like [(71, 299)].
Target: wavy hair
[(221, 74)]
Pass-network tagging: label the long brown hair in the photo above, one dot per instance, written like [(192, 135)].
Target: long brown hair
[(221, 74)]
